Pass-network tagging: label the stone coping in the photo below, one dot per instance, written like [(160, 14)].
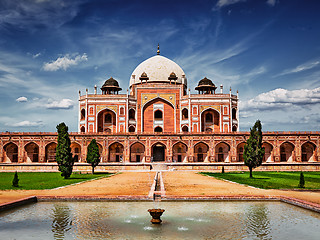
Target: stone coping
[(293, 201)]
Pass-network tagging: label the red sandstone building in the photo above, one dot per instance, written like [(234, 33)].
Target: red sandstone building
[(159, 120)]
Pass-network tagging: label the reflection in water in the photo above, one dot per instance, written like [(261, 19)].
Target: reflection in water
[(257, 222), (61, 222), (182, 220)]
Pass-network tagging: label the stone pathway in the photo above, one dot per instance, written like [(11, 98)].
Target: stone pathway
[(175, 183)]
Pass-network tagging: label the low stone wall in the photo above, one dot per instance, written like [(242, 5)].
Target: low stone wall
[(120, 167)]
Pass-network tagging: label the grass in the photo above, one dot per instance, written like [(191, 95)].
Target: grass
[(41, 180), (271, 180)]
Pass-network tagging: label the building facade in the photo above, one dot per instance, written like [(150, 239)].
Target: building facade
[(159, 120)]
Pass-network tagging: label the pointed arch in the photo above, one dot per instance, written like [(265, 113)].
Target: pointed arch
[(31, 152), (240, 149), (222, 150), (287, 152), (210, 120), (115, 152), (201, 151), (137, 152), (268, 155), (158, 152), (50, 152), (106, 119), (308, 150), (179, 152), (10, 152), (76, 151)]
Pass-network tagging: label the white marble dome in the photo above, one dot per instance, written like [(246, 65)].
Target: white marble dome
[(158, 69)]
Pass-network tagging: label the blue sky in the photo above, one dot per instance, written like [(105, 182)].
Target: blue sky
[(269, 50)]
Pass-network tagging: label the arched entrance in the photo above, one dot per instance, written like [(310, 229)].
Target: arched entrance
[(286, 152), (307, 152), (116, 152), (11, 152), (158, 152), (222, 152), (240, 150), (210, 121), (107, 121), (137, 152), (76, 151), (179, 151), (267, 152), (51, 152), (201, 152), (32, 152)]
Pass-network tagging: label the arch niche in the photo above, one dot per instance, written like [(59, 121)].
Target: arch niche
[(32, 152), (201, 152), (10, 153), (51, 152), (137, 152), (286, 152), (267, 152), (210, 121), (222, 152), (308, 152), (179, 152), (158, 152), (240, 149), (115, 152), (76, 151), (158, 112), (107, 121)]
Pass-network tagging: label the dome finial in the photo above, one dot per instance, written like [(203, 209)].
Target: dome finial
[(158, 52)]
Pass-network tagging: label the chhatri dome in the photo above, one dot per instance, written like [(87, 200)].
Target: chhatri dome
[(158, 69)]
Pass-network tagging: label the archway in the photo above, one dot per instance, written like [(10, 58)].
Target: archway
[(286, 152), (76, 151), (32, 152), (179, 152), (210, 121), (107, 121), (132, 129), (240, 149), (11, 152), (185, 129), (82, 129), (267, 152), (222, 152), (158, 152), (307, 152), (51, 152), (201, 152), (83, 114), (158, 112), (115, 152), (158, 129), (132, 114), (185, 114), (137, 152)]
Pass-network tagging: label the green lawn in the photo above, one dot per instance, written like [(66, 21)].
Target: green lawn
[(40, 180), (272, 180)]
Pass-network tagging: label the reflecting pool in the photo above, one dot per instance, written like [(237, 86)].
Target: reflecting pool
[(181, 220)]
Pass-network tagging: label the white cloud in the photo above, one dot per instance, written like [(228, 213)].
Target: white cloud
[(63, 104), (36, 55), (223, 3), (64, 62), (22, 99), (25, 124), (281, 99), (300, 68), (271, 3)]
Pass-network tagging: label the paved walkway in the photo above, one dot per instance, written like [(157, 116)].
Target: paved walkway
[(176, 183)]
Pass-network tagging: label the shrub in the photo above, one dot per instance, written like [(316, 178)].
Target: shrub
[(15, 181)]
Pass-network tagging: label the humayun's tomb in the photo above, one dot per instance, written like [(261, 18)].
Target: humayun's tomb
[(158, 120)]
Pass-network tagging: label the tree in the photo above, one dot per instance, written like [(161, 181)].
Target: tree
[(93, 155), (253, 151), (301, 182), (63, 154), (15, 181)]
